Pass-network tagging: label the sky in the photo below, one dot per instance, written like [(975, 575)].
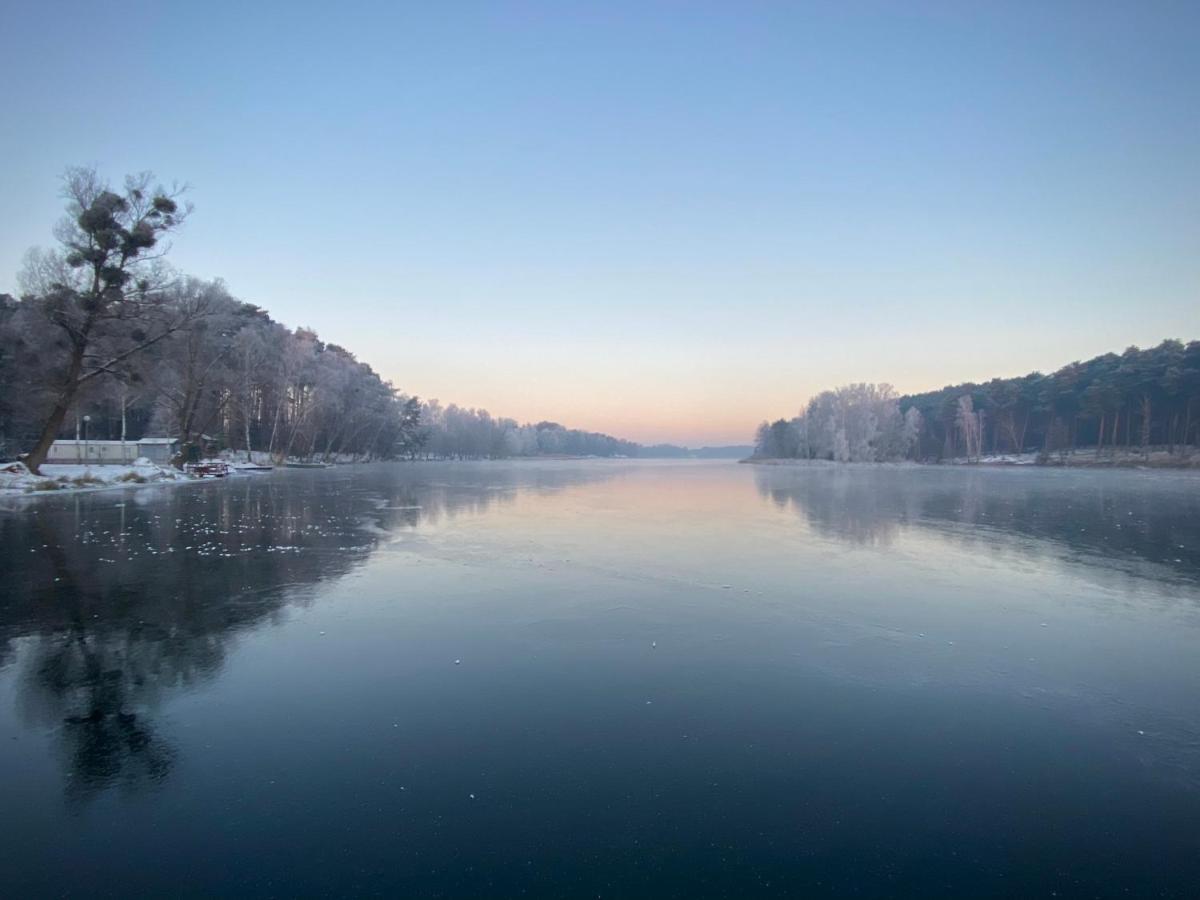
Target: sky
[(666, 221)]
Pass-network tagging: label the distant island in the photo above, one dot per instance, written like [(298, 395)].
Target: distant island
[(1138, 407)]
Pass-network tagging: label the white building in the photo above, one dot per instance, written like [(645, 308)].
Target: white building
[(159, 450)]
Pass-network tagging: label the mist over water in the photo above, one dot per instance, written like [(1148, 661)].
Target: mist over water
[(608, 678)]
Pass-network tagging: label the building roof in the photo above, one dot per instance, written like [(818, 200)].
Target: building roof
[(82, 443), (147, 440)]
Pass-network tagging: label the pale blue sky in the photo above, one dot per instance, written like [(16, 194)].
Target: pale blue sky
[(664, 220)]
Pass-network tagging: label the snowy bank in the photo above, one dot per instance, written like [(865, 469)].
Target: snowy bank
[(1087, 458), (15, 478)]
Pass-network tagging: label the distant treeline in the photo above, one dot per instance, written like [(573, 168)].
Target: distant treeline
[(107, 342), (220, 371), (1116, 402), (673, 451), (457, 433)]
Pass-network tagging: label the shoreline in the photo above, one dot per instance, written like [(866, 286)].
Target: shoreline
[(16, 481), (1155, 462)]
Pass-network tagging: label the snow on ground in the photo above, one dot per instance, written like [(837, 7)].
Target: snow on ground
[(238, 457), (263, 458), (1005, 459), (16, 479)]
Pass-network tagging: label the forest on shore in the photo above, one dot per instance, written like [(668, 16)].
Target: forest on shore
[(1117, 404), (109, 341)]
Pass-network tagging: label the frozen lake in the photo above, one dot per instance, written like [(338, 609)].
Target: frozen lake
[(605, 678)]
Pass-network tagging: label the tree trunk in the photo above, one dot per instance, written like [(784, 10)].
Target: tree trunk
[(274, 429), (1187, 429), (185, 420), (1146, 426), (1100, 436), (58, 414), (328, 447)]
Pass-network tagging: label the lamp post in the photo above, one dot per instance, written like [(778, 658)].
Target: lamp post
[(86, 419)]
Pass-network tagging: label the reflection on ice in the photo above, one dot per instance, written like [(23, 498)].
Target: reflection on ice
[(927, 666), (120, 599), (1124, 519)]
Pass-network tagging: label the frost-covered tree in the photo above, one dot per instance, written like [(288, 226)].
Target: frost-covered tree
[(855, 423), (970, 426), (912, 428)]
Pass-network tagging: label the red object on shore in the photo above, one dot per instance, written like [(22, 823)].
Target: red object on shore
[(208, 469)]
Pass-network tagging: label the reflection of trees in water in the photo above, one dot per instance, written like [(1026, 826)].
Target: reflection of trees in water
[(849, 504), (1142, 517), (121, 599), (443, 491), (90, 688)]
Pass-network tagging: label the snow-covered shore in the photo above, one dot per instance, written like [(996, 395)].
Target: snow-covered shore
[(1082, 459), (16, 479)]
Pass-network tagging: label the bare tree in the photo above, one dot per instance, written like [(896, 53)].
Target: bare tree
[(102, 290), (193, 376)]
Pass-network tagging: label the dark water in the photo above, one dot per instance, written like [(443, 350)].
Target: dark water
[(605, 679)]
